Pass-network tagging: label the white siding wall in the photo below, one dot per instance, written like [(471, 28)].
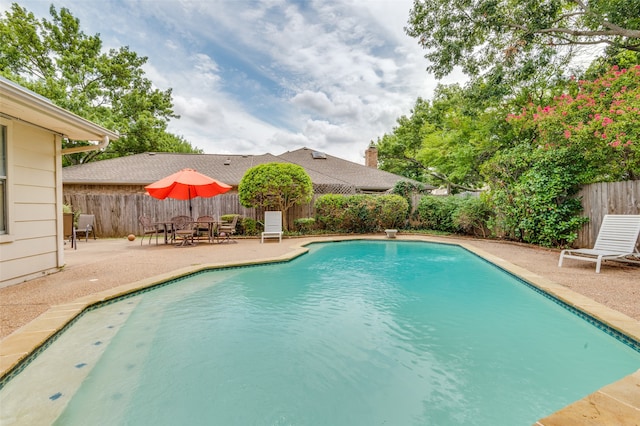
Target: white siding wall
[(30, 247)]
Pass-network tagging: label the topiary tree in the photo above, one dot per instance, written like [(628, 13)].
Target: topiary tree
[(277, 186)]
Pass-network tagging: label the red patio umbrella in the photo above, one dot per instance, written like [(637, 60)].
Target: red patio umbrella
[(185, 185)]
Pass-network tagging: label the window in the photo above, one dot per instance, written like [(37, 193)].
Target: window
[(3, 179), (317, 155)]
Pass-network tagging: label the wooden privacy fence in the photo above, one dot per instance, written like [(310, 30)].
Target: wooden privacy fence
[(603, 198), (117, 213)]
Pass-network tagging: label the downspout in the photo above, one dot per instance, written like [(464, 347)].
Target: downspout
[(86, 148)]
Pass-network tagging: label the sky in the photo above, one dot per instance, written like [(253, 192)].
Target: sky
[(256, 77)]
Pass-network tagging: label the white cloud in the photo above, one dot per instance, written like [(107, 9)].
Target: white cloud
[(315, 101), (271, 76)]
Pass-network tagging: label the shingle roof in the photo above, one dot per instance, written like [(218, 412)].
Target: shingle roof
[(331, 170), (143, 169)]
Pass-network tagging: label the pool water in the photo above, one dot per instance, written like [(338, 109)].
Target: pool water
[(354, 333)]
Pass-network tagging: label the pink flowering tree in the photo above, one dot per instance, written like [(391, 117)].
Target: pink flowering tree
[(589, 133), (600, 119)]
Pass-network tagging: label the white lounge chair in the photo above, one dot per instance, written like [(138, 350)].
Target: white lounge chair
[(616, 240), (272, 226)]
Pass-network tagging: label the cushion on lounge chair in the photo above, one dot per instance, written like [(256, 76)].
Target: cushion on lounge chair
[(616, 240)]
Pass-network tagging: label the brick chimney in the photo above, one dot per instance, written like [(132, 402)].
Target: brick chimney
[(371, 156)]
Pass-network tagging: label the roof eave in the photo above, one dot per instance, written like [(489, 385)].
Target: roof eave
[(20, 103)]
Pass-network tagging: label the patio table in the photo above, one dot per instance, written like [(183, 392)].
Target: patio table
[(210, 225)]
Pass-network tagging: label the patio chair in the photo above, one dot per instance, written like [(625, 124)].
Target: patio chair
[(148, 228), (183, 228), (227, 229), (616, 240), (86, 224), (272, 226), (205, 226), (182, 220)]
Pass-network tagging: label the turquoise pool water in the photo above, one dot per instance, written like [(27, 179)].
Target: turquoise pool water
[(354, 333)]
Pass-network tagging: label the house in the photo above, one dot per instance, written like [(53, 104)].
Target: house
[(138, 170), (32, 129), (113, 189)]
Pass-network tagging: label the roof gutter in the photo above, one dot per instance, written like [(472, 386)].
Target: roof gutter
[(86, 148), (22, 104)]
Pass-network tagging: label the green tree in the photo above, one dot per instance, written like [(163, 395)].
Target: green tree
[(398, 151), (444, 141), (623, 60), (277, 186), (587, 133), (520, 35), (56, 59)]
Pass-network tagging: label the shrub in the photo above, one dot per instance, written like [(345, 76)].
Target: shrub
[(360, 213), (393, 211), (249, 226), (329, 210), (437, 213), (472, 216), (538, 205), (462, 215), (305, 224)]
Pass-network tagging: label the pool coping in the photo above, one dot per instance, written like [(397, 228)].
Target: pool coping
[(613, 403)]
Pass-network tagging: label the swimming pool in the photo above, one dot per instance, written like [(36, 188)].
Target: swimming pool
[(353, 333)]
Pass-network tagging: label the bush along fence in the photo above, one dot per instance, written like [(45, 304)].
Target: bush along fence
[(117, 214)]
